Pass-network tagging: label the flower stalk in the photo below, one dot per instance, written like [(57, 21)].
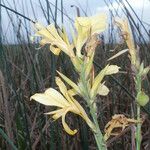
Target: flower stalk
[(138, 129), (139, 73), (88, 85), (93, 111), (98, 135)]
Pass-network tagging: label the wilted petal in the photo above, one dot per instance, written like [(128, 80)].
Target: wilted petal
[(127, 34)]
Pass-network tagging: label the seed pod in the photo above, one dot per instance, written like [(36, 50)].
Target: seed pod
[(142, 98)]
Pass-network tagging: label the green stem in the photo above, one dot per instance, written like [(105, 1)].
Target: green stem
[(93, 111), (98, 135), (138, 129)]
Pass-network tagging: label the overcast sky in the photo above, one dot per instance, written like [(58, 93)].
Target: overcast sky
[(91, 7)]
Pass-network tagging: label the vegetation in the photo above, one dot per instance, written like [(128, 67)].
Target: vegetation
[(106, 114)]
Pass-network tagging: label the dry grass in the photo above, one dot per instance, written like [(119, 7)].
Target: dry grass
[(26, 70)]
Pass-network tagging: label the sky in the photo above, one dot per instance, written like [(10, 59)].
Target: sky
[(90, 7)]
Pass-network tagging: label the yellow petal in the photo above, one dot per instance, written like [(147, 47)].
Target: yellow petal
[(66, 127), (61, 85), (98, 23), (55, 50), (63, 89), (82, 26), (51, 36), (71, 83), (51, 28), (72, 92), (50, 98), (87, 26), (97, 81), (108, 70), (56, 114), (145, 71), (45, 100), (112, 69), (103, 90), (77, 63), (80, 111), (57, 96), (44, 41), (64, 35), (45, 34)]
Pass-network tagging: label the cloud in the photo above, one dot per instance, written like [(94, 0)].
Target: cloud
[(141, 7)]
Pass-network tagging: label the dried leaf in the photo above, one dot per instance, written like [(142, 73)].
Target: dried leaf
[(118, 54)]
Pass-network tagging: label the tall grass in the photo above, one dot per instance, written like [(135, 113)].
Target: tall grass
[(26, 70)]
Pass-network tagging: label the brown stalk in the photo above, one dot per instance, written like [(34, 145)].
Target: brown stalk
[(5, 107)]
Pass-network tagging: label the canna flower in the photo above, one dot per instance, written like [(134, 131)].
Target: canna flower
[(58, 42), (86, 27), (65, 102), (124, 26)]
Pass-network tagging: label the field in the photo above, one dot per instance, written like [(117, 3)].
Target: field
[(26, 69)]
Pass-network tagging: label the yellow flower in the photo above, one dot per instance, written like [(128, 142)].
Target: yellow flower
[(87, 26), (97, 86), (57, 43), (65, 102), (124, 26)]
